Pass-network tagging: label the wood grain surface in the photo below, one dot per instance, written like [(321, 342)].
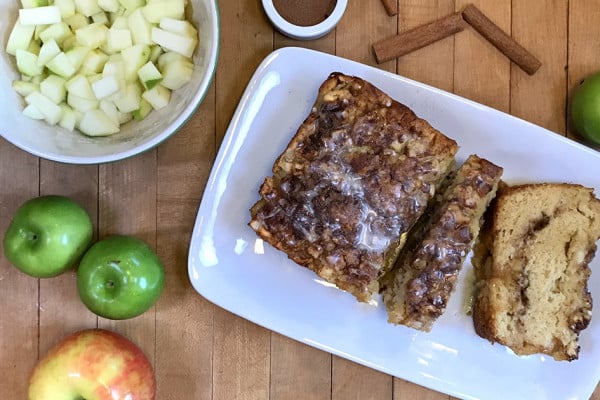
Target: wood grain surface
[(198, 350)]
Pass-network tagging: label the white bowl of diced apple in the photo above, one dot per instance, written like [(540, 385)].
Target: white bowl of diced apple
[(95, 81)]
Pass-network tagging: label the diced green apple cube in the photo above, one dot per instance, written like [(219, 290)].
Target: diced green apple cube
[(67, 8), (33, 112), (155, 52), (77, 55), (134, 58), (69, 43), (100, 18), (34, 3), (40, 15), (92, 36), (96, 123), (140, 28), (24, 88), (169, 8), (77, 21), (149, 75), (27, 63), (117, 40), (174, 42), (129, 100), (58, 32), (109, 5), (68, 119), (80, 86), (81, 104), (120, 22), (48, 51), (115, 68), (105, 87), (177, 74), (94, 62), (158, 97), (110, 109), (87, 7), (143, 111), (61, 65), (53, 87), (19, 38), (132, 4), (51, 111), (178, 26)]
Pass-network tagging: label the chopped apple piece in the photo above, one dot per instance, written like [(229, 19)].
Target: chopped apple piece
[(92, 36), (132, 4), (120, 22), (81, 104), (27, 63), (117, 40), (87, 7), (51, 111), (61, 65), (33, 112), (134, 58), (67, 8), (96, 123), (94, 62), (100, 18), (158, 97), (143, 111), (25, 88), (160, 9), (76, 21), (129, 101), (34, 3), (53, 87), (174, 42), (110, 109), (141, 29), (109, 5), (179, 27), (77, 54), (177, 74), (48, 51), (68, 119), (19, 38), (149, 75), (40, 15), (105, 87), (80, 86), (58, 32)]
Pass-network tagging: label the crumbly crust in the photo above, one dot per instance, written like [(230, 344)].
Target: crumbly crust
[(353, 180), (426, 275), (532, 266)]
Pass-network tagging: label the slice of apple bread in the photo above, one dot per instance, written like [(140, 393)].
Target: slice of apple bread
[(356, 176)]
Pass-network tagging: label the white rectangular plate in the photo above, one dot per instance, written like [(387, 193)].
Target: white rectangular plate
[(234, 269)]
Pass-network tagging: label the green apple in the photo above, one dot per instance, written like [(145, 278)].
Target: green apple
[(93, 364), (120, 277), (47, 236), (585, 108)]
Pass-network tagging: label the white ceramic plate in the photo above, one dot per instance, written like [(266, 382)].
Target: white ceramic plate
[(229, 266)]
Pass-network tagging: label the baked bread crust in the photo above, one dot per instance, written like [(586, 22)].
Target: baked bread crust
[(532, 266), (356, 176), (418, 290)]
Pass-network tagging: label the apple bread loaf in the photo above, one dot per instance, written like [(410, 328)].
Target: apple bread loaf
[(356, 176), (418, 289), (531, 265)]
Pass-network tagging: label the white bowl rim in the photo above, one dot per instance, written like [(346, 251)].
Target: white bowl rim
[(177, 124), (305, 32)]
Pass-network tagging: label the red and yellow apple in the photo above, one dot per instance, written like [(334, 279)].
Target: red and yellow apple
[(93, 364)]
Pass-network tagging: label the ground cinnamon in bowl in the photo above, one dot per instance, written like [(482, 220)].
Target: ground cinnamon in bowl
[(304, 12)]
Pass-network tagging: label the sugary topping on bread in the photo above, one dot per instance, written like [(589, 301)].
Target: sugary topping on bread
[(427, 273), (359, 172)]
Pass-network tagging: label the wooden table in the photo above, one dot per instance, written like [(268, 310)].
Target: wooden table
[(200, 351)]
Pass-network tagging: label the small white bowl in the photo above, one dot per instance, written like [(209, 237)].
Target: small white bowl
[(305, 32), (58, 144)]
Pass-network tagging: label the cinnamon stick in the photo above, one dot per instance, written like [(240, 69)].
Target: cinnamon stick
[(503, 42), (391, 7), (421, 36)]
